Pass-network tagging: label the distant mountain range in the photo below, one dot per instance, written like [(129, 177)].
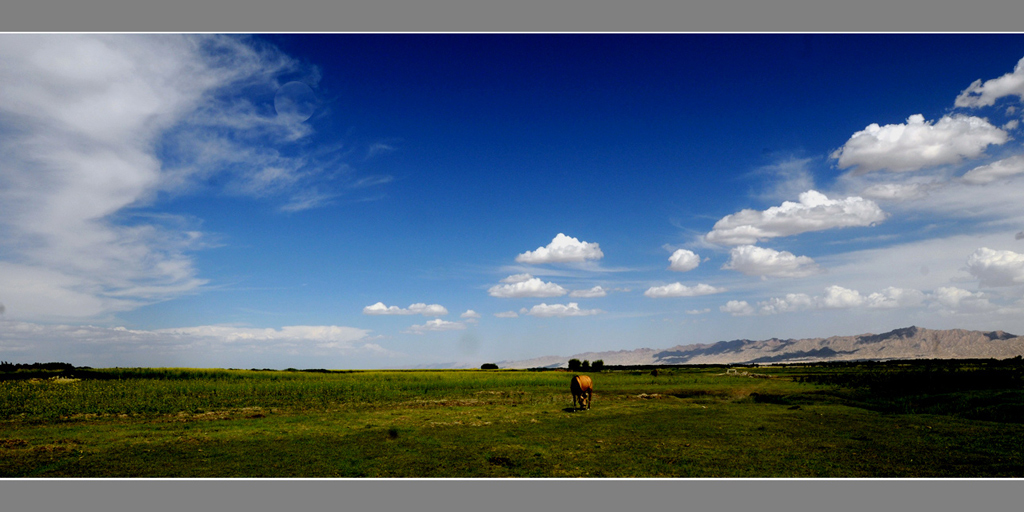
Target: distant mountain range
[(907, 343)]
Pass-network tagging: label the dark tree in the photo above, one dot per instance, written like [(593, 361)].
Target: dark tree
[(574, 364), (597, 366), (488, 366), (585, 366)]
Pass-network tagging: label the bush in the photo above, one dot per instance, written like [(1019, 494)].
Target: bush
[(597, 366), (574, 364), (488, 366), (585, 366)]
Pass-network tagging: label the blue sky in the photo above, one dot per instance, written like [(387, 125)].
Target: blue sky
[(394, 200)]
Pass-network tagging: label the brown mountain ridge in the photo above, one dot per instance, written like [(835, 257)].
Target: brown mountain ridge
[(907, 343)]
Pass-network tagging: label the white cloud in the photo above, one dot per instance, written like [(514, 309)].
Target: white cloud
[(507, 314), (758, 261), (681, 290), (893, 297), (918, 144), (436, 325), (517, 278), (561, 310), (532, 287), (837, 297), (698, 311), (413, 309), (82, 117), (562, 249), (996, 268), (958, 300), (813, 212), (786, 178), (471, 316), (737, 308), (997, 170), (985, 94), (188, 346), (596, 291), (683, 260), (895, 191), (792, 302)]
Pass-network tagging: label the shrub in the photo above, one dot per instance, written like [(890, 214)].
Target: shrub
[(488, 366), (574, 364), (597, 366)]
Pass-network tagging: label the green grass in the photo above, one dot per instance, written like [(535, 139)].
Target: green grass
[(685, 422)]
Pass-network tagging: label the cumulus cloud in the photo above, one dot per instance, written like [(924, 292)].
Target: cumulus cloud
[(562, 249), (893, 297), (985, 94), (758, 261), (996, 268), (470, 314), (561, 310), (837, 297), (531, 287), (997, 170), (737, 308), (958, 300), (918, 144), (683, 260), (507, 314), (596, 291), (681, 290), (517, 278), (790, 303), (413, 309), (436, 325), (814, 212)]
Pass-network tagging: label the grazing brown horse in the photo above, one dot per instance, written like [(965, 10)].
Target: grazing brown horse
[(582, 390)]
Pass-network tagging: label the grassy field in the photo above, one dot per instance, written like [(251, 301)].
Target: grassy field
[(926, 419)]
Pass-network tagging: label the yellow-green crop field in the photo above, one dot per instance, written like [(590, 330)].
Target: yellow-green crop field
[(924, 419)]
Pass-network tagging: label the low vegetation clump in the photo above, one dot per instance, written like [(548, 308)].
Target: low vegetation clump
[(899, 419)]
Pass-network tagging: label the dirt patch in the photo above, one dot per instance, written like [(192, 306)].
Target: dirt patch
[(732, 372), (645, 396), (13, 443)]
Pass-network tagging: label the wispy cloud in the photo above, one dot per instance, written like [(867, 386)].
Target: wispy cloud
[(436, 325), (96, 345), (95, 126)]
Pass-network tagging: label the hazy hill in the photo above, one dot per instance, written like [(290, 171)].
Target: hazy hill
[(907, 343)]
